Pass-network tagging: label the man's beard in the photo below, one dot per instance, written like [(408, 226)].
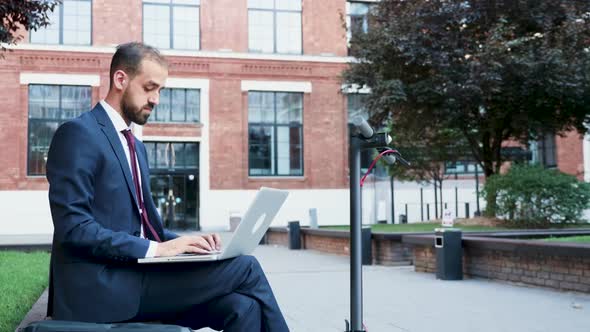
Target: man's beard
[(133, 113)]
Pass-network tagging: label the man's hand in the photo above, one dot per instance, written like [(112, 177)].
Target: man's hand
[(202, 244)]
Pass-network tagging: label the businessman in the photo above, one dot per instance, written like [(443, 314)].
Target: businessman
[(105, 219)]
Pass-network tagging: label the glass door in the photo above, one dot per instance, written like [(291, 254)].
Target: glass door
[(176, 198)]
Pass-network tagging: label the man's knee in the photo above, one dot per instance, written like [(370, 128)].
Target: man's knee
[(250, 262)]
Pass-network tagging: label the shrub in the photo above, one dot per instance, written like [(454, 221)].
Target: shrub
[(537, 196)]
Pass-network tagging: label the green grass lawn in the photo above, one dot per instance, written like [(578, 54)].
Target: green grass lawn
[(23, 277), (579, 239), (418, 227)]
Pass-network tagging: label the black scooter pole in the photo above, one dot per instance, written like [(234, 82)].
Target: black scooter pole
[(356, 268), (366, 139)]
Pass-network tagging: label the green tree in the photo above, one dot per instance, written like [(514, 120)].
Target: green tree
[(27, 14), (428, 152), (493, 71)]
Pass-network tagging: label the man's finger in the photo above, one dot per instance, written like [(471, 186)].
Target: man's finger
[(202, 243), (217, 240), (209, 240), (196, 241), (195, 250)]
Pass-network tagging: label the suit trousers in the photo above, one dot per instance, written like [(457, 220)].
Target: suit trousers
[(229, 295)]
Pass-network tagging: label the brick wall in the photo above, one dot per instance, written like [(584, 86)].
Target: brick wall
[(332, 245), (324, 111), (115, 22), (278, 238), (388, 252), (554, 271), (424, 259), (570, 154), (224, 25), (324, 33)]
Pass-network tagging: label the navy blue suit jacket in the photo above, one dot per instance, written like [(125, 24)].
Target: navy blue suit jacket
[(96, 221)]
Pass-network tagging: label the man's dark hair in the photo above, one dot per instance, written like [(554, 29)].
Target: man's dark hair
[(128, 58)]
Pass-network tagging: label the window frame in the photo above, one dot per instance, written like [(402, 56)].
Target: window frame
[(349, 16), (169, 121), (47, 120), (171, 6), (274, 11), (274, 172), (60, 8), (154, 168), (543, 150), (450, 168)]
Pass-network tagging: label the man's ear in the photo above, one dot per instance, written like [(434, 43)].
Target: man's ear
[(120, 80)]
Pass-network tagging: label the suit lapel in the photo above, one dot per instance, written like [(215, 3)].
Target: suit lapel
[(111, 134)]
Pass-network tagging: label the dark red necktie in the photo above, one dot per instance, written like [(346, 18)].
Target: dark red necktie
[(144, 218)]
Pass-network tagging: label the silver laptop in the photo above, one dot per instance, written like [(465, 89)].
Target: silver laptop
[(247, 235)]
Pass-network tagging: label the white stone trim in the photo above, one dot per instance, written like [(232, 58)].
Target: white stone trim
[(284, 86), (61, 79), (171, 139), (192, 54), (186, 83), (355, 88)]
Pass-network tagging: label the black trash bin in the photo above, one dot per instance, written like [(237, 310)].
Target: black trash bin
[(294, 235), (403, 219), (367, 246), (449, 253)]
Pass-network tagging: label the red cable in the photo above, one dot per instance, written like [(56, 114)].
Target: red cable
[(374, 162)]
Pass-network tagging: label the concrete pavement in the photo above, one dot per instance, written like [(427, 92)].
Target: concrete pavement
[(312, 289)]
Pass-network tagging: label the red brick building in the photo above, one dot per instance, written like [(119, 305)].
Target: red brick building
[(254, 98)]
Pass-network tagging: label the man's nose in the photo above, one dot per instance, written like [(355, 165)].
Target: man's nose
[(154, 99)]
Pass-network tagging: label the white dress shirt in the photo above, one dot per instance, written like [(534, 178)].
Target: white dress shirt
[(120, 125)]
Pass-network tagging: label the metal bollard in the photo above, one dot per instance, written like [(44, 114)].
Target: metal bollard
[(234, 221), (313, 218)]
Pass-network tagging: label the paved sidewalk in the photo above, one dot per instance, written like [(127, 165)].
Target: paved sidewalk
[(312, 289), (27, 241)]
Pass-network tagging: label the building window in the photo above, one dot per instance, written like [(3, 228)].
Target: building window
[(49, 107), (275, 134), (357, 106), (171, 24), (357, 19), (178, 105), (71, 24), (172, 155), (544, 151), (462, 167), (274, 26)]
